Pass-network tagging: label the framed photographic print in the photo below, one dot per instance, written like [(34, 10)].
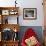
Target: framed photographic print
[(29, 13), (5, 12), (13, 12)]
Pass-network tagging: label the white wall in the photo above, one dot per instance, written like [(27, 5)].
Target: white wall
[(26, 4), (31, 4)]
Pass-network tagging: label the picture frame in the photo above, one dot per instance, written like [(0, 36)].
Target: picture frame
[(29, 13), (5, 12), (13, 12)]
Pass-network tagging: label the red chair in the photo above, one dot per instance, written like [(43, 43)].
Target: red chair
[(29, 33)]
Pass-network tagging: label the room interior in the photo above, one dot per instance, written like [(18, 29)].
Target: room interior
[(16, 17)]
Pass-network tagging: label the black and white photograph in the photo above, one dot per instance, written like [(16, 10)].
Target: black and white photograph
[(30, 13)]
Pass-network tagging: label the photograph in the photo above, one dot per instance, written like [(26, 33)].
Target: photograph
[(29, 13)]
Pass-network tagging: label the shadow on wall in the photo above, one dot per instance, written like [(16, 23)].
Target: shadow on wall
[(37, 29)]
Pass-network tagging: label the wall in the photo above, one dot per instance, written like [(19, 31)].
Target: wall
[(31, 4), (37, 29), (27, 4)]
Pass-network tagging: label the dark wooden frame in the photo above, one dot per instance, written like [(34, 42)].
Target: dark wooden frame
[(29, 18)]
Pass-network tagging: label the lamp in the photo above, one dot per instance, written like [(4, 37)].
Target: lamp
[(15, 3)]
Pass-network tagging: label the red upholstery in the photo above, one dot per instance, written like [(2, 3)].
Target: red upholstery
[(29, 33)]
